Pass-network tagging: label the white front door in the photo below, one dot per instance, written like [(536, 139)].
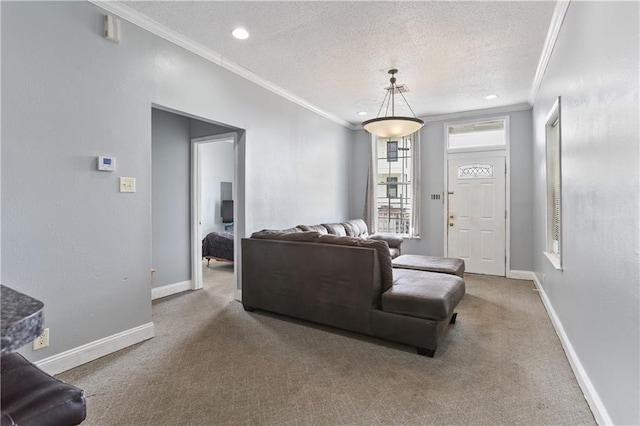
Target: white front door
[(476, 213)]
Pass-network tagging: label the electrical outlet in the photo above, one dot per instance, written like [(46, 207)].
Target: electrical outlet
[(42, 341)]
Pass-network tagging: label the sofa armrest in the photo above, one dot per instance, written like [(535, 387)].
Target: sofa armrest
[(394, 241)]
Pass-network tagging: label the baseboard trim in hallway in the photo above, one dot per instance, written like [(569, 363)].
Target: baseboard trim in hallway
[(591, 395), (170, 289), (82, 354), (521, 275)]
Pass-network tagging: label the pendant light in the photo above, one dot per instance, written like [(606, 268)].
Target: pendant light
[(392, 126)]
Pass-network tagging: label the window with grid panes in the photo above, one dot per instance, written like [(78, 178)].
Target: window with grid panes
[(393, 186)]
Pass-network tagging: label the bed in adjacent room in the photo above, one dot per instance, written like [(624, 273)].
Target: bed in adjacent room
[(218, 246)]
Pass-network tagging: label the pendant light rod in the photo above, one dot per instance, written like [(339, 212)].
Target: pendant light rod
[(393, 91), (405, 101), (382, 104)]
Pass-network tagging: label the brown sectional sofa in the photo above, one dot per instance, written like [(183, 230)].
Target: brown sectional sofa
[(349, 283)]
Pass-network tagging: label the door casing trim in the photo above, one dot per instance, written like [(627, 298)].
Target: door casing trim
[(196, 174), (479, 153)]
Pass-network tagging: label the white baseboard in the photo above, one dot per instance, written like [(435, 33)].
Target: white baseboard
[(595, 403), (521, 275), (169, 289), (82, 354), (239, 295)]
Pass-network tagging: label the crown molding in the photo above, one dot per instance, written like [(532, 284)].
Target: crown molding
[(477, 112), (178, 39), (559, 13)]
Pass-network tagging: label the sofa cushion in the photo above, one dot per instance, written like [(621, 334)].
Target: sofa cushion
[(394, 252), (283, 231), (335, 229), (444, 265), (394, 241), (303, 236), (356, 228), (351, 232), (318, 228), (381, 248), (423, 294)]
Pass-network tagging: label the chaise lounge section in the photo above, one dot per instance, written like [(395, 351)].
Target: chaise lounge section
[(443, 265), (348, 283)]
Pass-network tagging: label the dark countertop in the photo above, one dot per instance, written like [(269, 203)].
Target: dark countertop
[(21, 319)]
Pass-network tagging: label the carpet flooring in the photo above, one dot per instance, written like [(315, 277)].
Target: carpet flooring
[(213, 363)]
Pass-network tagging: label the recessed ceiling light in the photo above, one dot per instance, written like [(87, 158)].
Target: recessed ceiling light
[(240, 33), (362, 113), (491, 97)]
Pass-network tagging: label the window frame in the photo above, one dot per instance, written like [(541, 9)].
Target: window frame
[(479, 152), (407, 192), (553, 183)]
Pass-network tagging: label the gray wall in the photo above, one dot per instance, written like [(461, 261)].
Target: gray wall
[(199, 128), (170, 198), (521, 170), (432, 156), (360, 152), (69, 237), (594, 67)]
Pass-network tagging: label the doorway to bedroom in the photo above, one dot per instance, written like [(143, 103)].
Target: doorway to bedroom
[(176, 238), (212, 206)]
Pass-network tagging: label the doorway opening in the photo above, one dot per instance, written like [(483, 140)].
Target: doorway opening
[(176, 244), (476, 207), (212, 203)]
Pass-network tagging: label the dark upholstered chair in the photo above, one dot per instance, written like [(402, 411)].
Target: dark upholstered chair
[(31, 397)]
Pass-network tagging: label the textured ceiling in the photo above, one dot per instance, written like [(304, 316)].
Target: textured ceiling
[(335, 55)]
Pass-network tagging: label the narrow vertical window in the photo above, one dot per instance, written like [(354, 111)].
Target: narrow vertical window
[(394, 194), (554, 186), (392, 202)]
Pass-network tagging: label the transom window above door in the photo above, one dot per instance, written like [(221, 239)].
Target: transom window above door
[(477, 135)]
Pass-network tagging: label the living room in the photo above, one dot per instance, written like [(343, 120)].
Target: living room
[(71, 240)]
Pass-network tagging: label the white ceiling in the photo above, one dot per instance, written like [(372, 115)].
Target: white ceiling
[(335, 55)]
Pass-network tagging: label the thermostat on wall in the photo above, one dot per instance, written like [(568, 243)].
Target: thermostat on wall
[(107, 164)]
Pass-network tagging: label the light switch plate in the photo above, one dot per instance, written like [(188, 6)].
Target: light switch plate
[(127, 184)]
